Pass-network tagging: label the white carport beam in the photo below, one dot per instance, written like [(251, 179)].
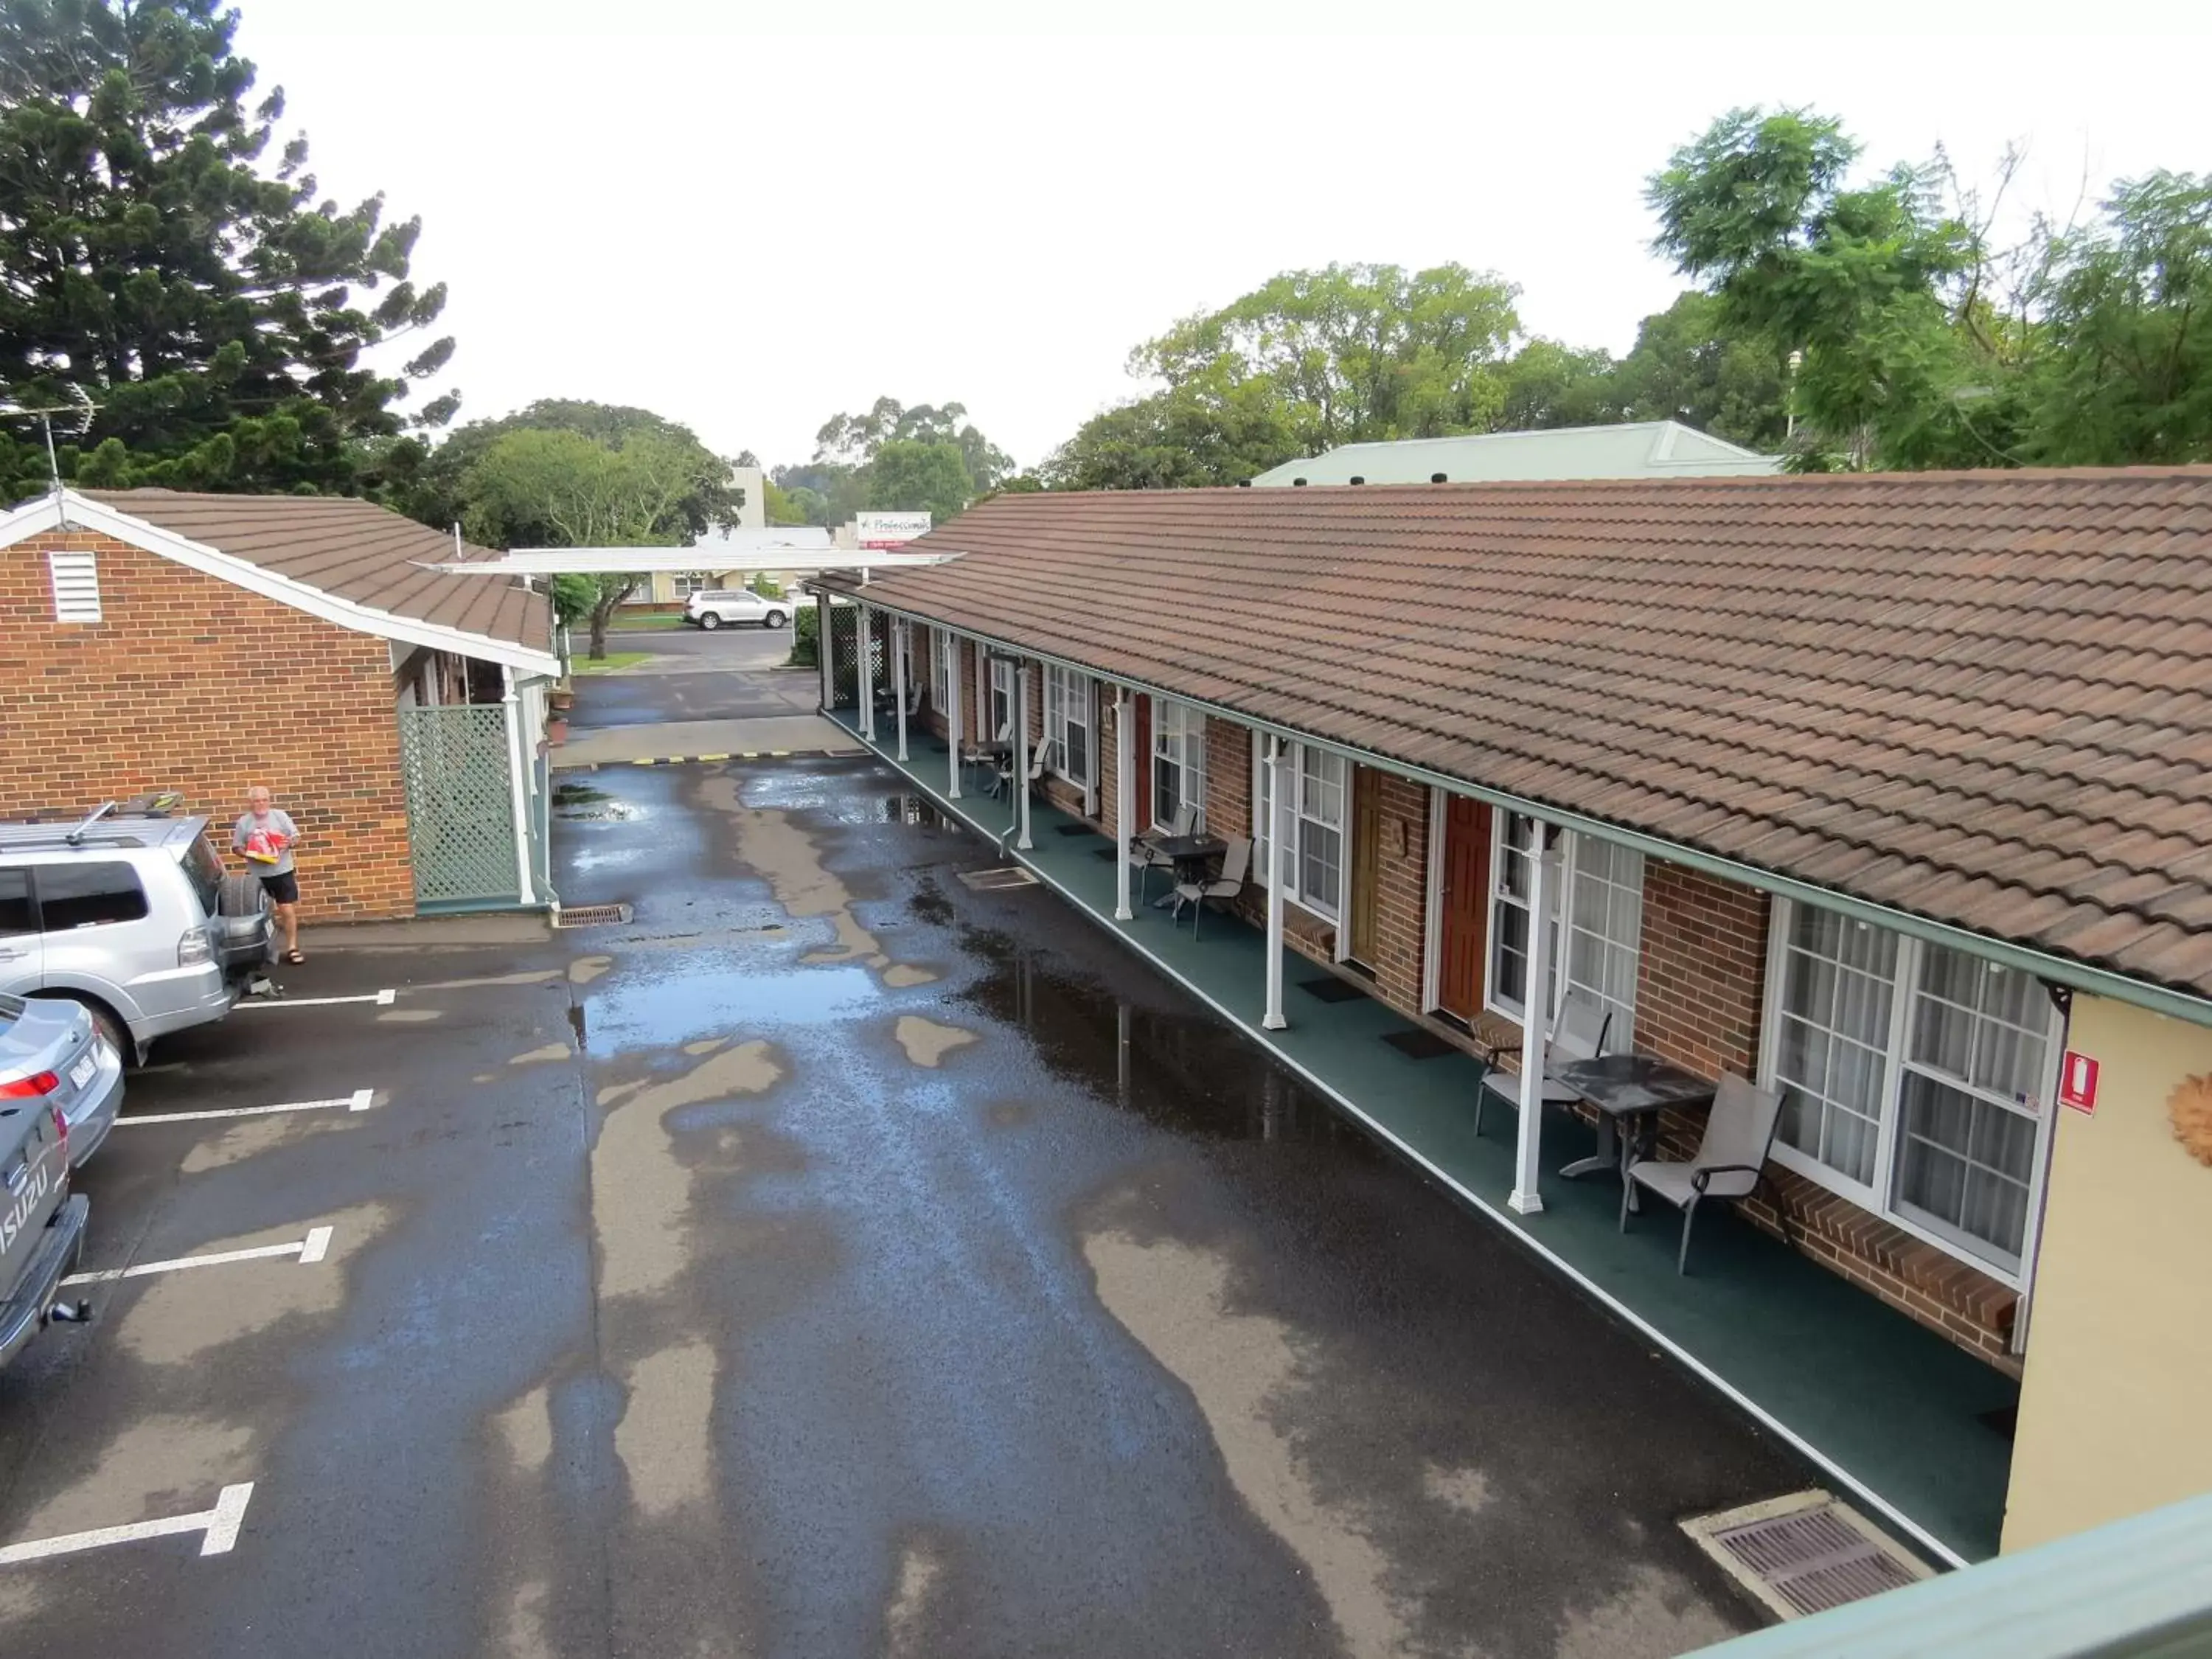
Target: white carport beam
[(1535, 1006)]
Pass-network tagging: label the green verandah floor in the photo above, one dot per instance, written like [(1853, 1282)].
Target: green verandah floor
[(1893, 1410)]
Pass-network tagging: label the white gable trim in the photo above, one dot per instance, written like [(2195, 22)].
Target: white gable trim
[(71, 510)]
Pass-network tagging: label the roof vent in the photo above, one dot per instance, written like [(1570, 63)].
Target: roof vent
[(1297, 484), (1356, 479), (1438, 477), (77, 586)]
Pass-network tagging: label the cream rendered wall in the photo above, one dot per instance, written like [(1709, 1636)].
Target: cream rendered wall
[(2116, 1403)]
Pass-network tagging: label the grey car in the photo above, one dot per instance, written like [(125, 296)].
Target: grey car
[(131, 916), (41, 1223), (50, 1054)]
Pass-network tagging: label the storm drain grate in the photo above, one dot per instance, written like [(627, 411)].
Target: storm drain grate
[(994, 881), (1804, 1553), (592, 915)]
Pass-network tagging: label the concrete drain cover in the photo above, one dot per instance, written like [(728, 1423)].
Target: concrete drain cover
[(592, 915), (993, 881), (1804, 1553)]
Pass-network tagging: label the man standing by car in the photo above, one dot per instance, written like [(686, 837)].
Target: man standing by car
[(266, 836)]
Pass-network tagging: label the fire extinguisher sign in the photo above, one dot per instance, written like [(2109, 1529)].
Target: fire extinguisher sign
[(2077, 1082)]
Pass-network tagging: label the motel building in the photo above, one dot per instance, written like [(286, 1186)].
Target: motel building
[(1885, 793)]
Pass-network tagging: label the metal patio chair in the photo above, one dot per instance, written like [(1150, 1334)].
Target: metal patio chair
[(1236, 860), (1731, 1160), (1578, 1033), (1148, 857)]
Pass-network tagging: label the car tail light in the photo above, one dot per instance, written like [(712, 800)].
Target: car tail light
[(195, 946), (36, 1086)]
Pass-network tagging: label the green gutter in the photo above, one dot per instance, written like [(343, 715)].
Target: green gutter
[(2077, 976)]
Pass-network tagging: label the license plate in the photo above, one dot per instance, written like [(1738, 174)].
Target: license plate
[(80, 1073)]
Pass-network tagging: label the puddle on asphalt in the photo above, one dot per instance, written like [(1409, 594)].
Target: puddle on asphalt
[(576, 801)]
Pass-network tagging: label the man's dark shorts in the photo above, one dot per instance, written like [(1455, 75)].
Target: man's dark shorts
[(284, 889)]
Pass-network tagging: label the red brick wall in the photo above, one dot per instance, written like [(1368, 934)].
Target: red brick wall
[(1228, 778), (1400, 889), (188, 682)]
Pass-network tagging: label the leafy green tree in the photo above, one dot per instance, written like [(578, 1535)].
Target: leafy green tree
[(1875, 287), (1548, 384), (910, 475), (206, 313), (1355, 352), (853, 440), (539, 487), (1687, 366), (2127, 373), (1212, 429)]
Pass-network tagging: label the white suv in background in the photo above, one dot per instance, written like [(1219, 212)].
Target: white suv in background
[(713, 607)]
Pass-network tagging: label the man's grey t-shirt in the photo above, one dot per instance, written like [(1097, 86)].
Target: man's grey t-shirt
[(281, 823)]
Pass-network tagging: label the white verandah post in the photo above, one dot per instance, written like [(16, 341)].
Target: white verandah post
[(1021, 756), (862, 629), (518, 766), (1535, 1021), (948, 643), (1124, 800), (1277, 839), (822, 648), (898, 673)]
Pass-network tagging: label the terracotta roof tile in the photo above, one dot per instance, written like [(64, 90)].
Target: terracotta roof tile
[(352, 549), (1981, 697)]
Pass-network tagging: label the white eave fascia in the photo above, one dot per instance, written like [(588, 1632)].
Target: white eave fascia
[(642, 560), (73, 511)]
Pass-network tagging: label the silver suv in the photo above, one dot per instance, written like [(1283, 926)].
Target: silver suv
[(130, 914), (716, 607)]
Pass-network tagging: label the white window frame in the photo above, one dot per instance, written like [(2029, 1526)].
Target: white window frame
[(1004, 707), (688, 582), (1896, 1061), (1067, 703), (1573, 873), (1178, 740), (940, 670), (1309, 765)]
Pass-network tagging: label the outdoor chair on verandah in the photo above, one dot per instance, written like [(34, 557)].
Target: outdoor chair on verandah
[(1148, 857), (1731, 1159), (1236, 860), (1578, 1033)]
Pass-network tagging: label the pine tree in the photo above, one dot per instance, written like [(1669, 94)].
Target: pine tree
[(210, 312)]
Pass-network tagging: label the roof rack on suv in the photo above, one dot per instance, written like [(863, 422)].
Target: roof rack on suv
[(75, 837)]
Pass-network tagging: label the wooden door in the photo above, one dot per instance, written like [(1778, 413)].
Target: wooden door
[(1366, 860), (1464, 906), (1140, 745)]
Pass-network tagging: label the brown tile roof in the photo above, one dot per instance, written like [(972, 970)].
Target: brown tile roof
[(1982, 698), (355, 549)]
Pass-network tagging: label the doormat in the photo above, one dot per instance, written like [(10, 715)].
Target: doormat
[(995, 881), (1077, 830), (1330, 989), (1420, 1045)]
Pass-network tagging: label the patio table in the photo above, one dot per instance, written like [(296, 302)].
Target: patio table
[(1190, 854), (1630, 1091)]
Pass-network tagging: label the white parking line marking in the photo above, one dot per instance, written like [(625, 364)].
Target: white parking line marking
[(383, 999), (311, 1249), (358, 1101), (220, 1524)]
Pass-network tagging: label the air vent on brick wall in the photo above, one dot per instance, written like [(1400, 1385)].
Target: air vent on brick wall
[(77, 586), (1804, 1553)]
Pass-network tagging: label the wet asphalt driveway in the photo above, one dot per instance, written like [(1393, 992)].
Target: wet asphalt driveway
[(833, 1260)]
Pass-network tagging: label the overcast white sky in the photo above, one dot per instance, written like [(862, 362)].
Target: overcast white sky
[(706, 210)]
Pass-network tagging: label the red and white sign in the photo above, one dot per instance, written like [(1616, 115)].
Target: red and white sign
[(2077, 1082)]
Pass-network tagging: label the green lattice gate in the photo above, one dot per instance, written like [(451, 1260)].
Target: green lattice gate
[(460, 804)]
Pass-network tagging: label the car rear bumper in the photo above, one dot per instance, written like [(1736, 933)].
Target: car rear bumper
[(23, 1315), (92, 1114), (212, 996)]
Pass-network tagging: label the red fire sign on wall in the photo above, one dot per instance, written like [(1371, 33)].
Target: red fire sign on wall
[(2077, 1082)]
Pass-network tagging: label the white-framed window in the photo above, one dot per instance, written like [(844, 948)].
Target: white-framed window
[(1314, 870), (1599, 892), (941, 647), (1068, 723), (1002, 700), (1178, 759), (688, 582), (1917, 1079)]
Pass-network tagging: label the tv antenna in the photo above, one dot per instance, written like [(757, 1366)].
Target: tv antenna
[(83, 408)]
